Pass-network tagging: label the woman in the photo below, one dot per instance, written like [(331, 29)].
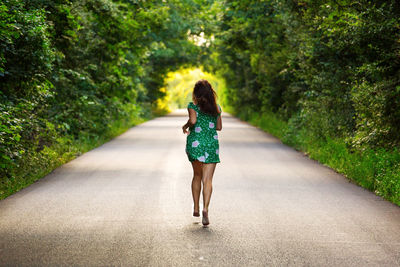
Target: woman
[(202, 147)]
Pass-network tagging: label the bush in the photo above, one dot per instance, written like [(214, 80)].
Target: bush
[(76, 73)]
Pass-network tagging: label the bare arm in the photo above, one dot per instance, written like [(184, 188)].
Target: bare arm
[(191, 121), (219, 121)]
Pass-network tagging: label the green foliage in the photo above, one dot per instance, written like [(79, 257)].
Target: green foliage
[(334, 62), (180, 84), (323, 75), (376, 170), (329, 69), (25, 50), (74, 73)]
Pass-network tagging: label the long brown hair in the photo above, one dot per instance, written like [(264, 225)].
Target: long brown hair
[(206, 97)]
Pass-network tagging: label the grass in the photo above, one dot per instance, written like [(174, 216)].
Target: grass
[(39, 164), (375, 170)]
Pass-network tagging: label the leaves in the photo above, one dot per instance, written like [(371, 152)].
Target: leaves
[(335, 62), (72, 68)]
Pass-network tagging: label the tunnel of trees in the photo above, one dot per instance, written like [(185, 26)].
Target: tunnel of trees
[(323, 76)]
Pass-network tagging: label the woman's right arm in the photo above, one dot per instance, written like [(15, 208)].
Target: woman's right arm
[(191, 121), (219, 120)]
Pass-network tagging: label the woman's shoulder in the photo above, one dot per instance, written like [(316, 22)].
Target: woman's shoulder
[(192, 105)]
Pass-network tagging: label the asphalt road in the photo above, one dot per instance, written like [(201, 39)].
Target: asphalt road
[(128, 203)]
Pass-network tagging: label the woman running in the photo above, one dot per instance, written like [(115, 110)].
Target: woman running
[(202, 147)]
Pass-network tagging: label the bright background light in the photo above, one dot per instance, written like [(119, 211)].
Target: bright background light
[(180, 86)]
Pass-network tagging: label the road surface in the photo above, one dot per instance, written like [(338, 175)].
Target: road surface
[(128, 203)]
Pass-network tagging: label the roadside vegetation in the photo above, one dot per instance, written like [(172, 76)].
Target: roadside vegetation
[(321, 75), (73, 74)]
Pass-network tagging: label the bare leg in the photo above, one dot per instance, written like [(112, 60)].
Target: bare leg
[(208, 172), (196, 183)]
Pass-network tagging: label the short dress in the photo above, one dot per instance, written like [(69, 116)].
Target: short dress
[(202, 142)]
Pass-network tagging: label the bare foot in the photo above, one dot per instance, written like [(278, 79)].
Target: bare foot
[(205, 220)]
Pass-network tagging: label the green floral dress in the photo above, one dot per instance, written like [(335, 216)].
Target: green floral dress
[(202, 142)]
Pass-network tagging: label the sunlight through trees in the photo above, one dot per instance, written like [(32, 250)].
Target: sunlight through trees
[(179, 87)]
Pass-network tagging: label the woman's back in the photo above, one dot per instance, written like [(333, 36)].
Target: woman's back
[(202, 142)]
